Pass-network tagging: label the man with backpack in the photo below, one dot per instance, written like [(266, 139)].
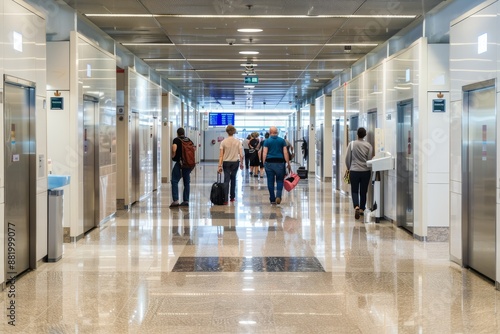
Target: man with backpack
[(183, 155)]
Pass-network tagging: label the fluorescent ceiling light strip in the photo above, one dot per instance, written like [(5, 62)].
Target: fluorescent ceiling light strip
[(250, 30), (119, 15), (240, 79), (284, 16), (251, 74), (351, 44), (255, 60), (262, 44), (152, 44), (257, 16), (250, 45)]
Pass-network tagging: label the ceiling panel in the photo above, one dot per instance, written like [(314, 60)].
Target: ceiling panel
[(150, 51), (300, 49), (257, 7), (401, 7), (107, 6)]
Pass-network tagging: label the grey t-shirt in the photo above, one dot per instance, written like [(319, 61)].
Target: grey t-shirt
[(361, 151)]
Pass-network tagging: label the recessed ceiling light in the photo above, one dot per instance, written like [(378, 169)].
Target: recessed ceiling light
[(249, 86), (249, 52), (249, 65), (250, 30)]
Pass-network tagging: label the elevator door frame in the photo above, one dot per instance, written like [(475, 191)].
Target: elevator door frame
[(336, 147), (370, 138), (136, 176), (32, 261), (353, 128), (156, 153), (466, 191), (402, 192), (320, 173), (88, 227)]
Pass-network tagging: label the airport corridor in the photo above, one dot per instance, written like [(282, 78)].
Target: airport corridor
[(305, 266)]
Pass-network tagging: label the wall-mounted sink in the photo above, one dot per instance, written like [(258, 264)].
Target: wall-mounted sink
[(57, 181)]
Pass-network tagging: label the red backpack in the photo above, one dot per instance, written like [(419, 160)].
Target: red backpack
[(188, 160)]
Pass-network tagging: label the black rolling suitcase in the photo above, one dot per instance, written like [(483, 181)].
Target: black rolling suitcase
[(302, 172), (217, 192)]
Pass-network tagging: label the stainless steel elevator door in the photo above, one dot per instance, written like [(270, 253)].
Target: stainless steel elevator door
[(353, 128), (89, 164), (371, 125), (18, 153), (404, 200), (336, 153), (145, 144), (156, 153), (482, 171), (134, 142), (319, 151)]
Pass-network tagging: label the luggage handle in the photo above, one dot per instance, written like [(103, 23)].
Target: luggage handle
[(219, 177)]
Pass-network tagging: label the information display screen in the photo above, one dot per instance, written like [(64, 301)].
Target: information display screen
[(220, 118)]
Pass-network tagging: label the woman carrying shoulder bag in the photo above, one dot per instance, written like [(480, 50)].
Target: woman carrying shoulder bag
[(358, 152)]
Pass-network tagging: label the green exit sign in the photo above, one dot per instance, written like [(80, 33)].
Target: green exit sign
[(252, 80)]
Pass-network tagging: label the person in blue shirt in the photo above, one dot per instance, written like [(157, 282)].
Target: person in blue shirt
[(275, 159)]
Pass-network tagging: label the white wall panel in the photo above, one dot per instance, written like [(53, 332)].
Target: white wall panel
[(323, 109), (213, 137), (374, 89), (41, 226), (59, 150), (58, 63), (174, 112), (311, 162), (23, 55), (20, 58), (456, 226), (467, 64), (471, 61), (436, 144), (456, 141), (437, 202), (143, 97), (390, 197), (97, 75)]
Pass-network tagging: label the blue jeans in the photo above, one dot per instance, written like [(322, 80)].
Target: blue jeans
[(177, 174), (275, 172), (230, 170)]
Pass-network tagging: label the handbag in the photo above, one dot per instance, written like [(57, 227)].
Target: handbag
[(347, 177), (347, 174), (291, 181)]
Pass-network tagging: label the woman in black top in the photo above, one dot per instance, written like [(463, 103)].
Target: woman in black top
[(254, 146)]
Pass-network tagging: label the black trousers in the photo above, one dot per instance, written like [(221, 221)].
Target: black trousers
[(359, 188), (247, 157)]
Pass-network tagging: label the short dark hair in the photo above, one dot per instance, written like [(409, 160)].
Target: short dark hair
[(180, 132), (361, 133)]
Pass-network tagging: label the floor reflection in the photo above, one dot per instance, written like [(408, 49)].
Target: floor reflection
[(305, 266)]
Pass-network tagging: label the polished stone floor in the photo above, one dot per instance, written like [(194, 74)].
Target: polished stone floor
[(305, 266)]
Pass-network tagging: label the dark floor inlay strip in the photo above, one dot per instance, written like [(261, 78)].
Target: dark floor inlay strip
[(255, 264)]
